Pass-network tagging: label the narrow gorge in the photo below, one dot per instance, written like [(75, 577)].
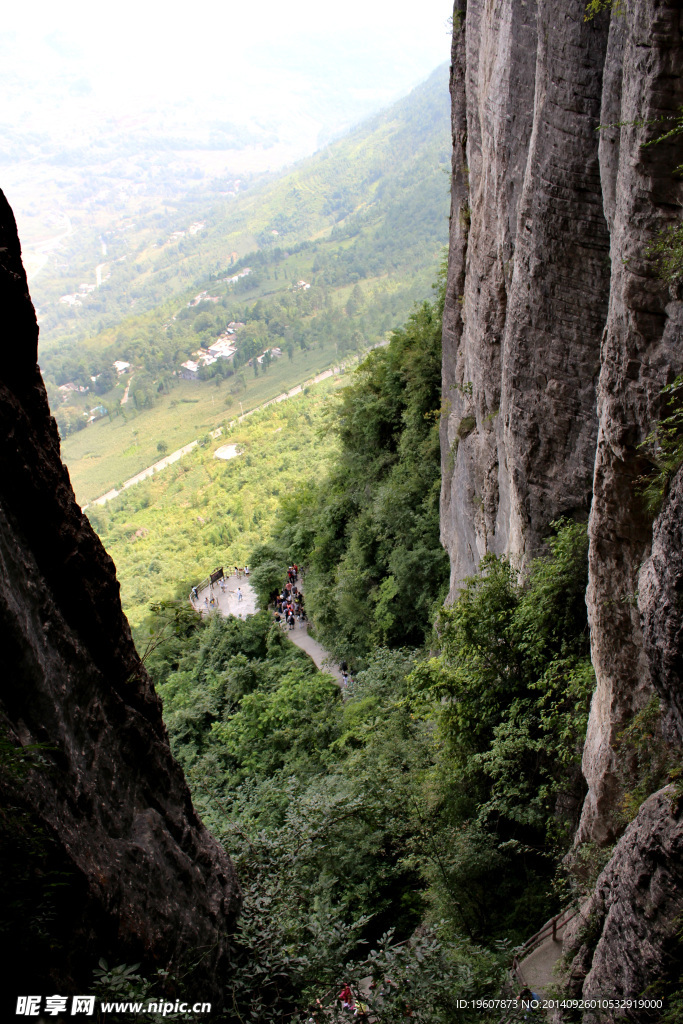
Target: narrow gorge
[(103, 853), (260, 842)]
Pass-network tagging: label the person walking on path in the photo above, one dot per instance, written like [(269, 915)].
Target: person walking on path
[(239, 594)]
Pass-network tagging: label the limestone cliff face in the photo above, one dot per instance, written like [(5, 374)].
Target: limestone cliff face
[(529, 276), (619, 943), (145, 880), (641, 352), (660, 599), (559, 337), (558, 334)]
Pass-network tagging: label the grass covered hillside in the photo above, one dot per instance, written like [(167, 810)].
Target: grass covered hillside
[(382, 171), (170, 531), (112, 450)]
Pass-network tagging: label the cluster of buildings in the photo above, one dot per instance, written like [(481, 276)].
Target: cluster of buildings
[(236, 277), (202, 297), (96, 413), (77, 298), (121, 367), (222, 348), (274, 353)]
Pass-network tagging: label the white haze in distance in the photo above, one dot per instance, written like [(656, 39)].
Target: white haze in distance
[(264, 62)]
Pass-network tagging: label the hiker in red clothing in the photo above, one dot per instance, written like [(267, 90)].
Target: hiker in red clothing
[(346, 997)]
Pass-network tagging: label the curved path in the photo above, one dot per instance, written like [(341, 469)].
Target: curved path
[(229, 603), (536, 968), (322, 658)]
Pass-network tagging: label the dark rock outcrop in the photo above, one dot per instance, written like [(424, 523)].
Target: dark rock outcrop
[(145, 880), (620, 942)]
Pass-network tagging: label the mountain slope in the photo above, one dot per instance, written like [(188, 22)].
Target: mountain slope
[(397, 159), (341, 248)]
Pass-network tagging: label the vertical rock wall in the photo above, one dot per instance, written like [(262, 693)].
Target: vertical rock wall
[(641, 351), (528, 287), (145, 880), (558, 334)]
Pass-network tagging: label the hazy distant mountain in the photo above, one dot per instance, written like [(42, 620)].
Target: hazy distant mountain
[(388, 177), (326, 259)]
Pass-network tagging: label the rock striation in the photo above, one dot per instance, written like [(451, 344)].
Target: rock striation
[(559, 336), (146, 881), (620, 942), (528, 283), (641, 352)]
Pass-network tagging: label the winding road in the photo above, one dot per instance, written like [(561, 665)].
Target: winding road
[(174, 456)]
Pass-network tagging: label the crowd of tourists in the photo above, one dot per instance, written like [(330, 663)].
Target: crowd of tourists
[(211, 602), (290, 605)]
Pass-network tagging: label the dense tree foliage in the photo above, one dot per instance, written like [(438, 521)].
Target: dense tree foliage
[(513, 684), (368, 534), (437, 792)]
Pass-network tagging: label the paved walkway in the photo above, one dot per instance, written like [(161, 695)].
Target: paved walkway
[(322, 658), (536, 969), (228, 602)]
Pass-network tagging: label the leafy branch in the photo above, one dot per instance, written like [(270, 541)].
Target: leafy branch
[(663, 447)]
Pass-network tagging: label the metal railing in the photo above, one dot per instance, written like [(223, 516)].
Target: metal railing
[(551, 927)]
